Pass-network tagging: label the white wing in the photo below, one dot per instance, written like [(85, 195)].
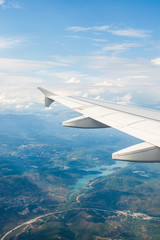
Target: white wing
[(138, 122)]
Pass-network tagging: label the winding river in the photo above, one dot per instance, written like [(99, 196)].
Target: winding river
[(104, 170)]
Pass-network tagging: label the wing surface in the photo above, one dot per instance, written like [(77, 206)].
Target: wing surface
[(137, 122)]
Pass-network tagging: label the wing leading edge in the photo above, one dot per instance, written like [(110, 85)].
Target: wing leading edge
[(137, 122)]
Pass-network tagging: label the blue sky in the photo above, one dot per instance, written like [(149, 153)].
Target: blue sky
[(102, 49)]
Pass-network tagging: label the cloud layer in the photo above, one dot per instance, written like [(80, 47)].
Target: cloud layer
[(112, 78)]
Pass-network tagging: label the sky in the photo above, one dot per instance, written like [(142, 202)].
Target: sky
[(104, 49)]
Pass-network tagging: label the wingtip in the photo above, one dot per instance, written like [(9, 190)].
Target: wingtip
[(41, 89), (46, 92)]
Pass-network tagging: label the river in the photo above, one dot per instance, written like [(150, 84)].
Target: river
[(104, 170)]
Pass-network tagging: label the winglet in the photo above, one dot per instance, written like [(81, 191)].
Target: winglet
[(48, 94)]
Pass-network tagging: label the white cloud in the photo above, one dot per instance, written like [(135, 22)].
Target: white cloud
[(4, 100), (15, 103), (78, 29), (130, 33), (104, 83), (99, 40), (9, 42), (155, 61), (73, 36), (2, 2), (15, 5), (8, 64), (120, 73), (84, 29), (137, 77), (10, 4), (94, 91), (65, 76), (73, 80), (100, 28), (119, 47), (126, 99)]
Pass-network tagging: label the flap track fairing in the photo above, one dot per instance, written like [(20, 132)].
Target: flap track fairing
[(84, 122), (142, 152)]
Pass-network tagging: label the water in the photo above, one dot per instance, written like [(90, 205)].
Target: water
[(104, 169)]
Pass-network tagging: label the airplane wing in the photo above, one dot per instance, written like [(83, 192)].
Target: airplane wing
[(137, 122)]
